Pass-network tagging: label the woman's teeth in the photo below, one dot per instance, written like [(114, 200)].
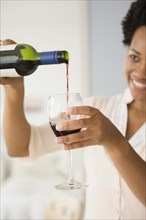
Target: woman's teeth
[(139, 84)]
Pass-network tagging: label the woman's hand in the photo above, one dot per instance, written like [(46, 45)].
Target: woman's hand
[(7, 42), (10, 81), (96, 129)]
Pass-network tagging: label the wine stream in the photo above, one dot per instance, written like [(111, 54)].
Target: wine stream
[(67, 83)]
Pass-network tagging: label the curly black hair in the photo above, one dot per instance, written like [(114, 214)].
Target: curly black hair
[(135, 18)]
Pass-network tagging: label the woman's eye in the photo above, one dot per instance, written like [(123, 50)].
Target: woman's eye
[(134, 57)]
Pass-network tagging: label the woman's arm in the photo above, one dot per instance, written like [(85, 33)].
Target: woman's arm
[(99, 130), (130, 165), (16, 127)]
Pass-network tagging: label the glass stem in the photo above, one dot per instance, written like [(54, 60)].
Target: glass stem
[(70, 166)]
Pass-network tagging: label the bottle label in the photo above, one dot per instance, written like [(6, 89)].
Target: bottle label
[(9, 73), (8, 47)]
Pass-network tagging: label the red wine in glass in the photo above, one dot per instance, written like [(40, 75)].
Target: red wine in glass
[(62, 133), (57, 113)]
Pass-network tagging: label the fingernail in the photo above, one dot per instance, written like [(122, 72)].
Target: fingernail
[(59, 140), (59, 127)]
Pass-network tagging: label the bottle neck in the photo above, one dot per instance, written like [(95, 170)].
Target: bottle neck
[(53, 57), (48, 58)]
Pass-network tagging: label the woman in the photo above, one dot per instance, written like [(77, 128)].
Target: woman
[(113, 136)]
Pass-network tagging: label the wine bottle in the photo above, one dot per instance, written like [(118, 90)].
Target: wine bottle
[(22, 59)]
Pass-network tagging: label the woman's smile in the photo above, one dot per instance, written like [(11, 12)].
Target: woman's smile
[(137, 83)]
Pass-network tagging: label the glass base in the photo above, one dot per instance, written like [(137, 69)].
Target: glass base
[(71, 185)]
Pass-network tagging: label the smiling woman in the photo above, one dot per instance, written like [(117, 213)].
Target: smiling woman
[(135, 71), (112, 134), (135, 66)]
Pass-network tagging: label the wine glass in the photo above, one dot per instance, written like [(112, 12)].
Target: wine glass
[(57, 106)]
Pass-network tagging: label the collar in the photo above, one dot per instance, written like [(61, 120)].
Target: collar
[(128, 98)]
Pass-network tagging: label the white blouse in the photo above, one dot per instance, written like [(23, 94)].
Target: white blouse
[(108, 196)]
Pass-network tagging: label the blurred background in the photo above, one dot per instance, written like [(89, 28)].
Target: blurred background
[(91, 32)]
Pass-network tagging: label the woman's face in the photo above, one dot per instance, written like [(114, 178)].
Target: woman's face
[(135, 65)]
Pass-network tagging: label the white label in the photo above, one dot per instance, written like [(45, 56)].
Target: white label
[(9, 73), (7, 47)]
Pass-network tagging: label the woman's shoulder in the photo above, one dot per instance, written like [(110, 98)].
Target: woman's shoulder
[(103, 101)]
